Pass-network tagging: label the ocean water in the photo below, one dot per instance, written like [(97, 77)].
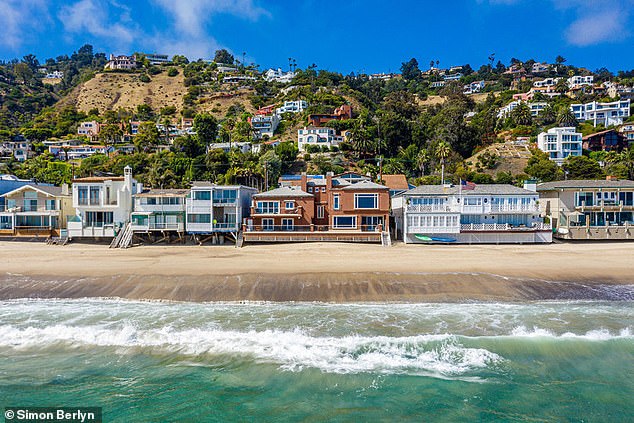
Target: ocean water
[(313, 362)]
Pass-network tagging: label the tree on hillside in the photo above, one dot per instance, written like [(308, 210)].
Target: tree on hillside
[(566, 118), (521, 115), (541, 167), (206, 127), (223, 56), (582, 167), (110, 134), (442, 152), (560, 60), (410, 70), (147, 137), (422, 159)]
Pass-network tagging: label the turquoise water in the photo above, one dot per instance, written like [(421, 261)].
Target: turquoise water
[(149, 361)]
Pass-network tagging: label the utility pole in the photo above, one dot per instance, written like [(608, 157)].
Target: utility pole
[(266, 176)]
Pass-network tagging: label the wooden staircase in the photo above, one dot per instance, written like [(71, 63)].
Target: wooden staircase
[(240, 240), (128, 233)]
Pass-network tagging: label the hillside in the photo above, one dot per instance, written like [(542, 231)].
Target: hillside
[(111, 91), (512, 157)]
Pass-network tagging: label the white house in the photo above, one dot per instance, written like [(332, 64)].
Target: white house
[(535, 108), (453, 77), (606, 114), (217, 209), (278, 75), (159, 210), (320, 136), (560, 143), (548, 82), (72, 152), (577, 80), (264, 125), (474, 87), (54, 75), (437, 84), (540, 67), (88, 129), (244, 147), (121, 62), (628, 133), (19, 148), (469, 214), (292, 107), (103, 204)]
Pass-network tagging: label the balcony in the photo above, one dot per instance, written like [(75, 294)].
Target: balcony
[(178, 227), (520, 208), (483, 227), (433, 229), (420, 208)]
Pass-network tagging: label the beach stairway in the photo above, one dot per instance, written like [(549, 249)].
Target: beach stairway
[(386, 240), (117, 239), (128, 233), (240, 240)]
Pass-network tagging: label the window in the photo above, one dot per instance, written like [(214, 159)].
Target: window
[(584, 198), (82, 196), (370, 223), (50, 205), (30, 205), (5, 222), (150, 201), (99, 219), (473, 201), (170, 201), (335, 202), (344, 222), (94, 196), (289, 205), (268, 224), (320, 212), (225, 196), (310, 189), (626, 198), (202, 195), (366, 201), (287, 224), (267, 207), (323, 189), (199, 218)]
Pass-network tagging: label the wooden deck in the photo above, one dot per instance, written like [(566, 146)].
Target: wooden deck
[(331, 236)]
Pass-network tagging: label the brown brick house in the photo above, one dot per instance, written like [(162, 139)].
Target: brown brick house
[(330, 206)]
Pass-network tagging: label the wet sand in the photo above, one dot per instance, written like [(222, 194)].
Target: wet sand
[(317, 272)]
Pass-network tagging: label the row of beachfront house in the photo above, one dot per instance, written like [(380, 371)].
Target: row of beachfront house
[(347, 207)]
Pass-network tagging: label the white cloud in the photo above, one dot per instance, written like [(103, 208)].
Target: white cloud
[(599, 27), (18, 18), (102, 19), (189, 34), (592, 21)]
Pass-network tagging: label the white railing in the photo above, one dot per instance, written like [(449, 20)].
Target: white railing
[(422, 208), (515, 208), (180, 227), (503, 227), (433, 229)]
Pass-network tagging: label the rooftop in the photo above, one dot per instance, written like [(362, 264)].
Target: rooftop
[(364, 185), (395, 181), (592, 183), (284, 192), (481, 189)]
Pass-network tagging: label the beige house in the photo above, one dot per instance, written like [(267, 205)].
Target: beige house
[(589, 210), (36, 210)]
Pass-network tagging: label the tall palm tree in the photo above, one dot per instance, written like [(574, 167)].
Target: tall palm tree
[(566, 118), (522, 115), (421, 161), (442, 152)]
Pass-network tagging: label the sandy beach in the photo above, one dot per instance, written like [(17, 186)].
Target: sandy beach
[(315, 272)]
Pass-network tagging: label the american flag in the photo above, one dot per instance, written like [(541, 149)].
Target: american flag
[(466, 185)]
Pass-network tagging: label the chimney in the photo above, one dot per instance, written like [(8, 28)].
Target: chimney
[(329, 176), (127, 175), (65, 189), (611, 178), (304, 182), (530, 185)]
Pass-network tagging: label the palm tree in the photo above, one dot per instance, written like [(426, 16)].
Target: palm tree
[(522, 115), (361, 142), (421, 161), (627, 160), (566, 118), (442, 152)]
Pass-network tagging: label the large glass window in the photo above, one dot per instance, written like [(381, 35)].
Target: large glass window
[(287, 224), (94, 196), (344, 222), (199, 218), (626, 198), (268, 207), (51, 205), (202, 195), (225, 196), (268, 224), (366, 201), (335, 202), (99, 219), (82, 196), (584, 198)]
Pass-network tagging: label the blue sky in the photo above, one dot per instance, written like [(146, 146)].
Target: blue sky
[(352, 36)]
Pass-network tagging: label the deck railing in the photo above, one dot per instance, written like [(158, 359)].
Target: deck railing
[(503, 227), (310, 228)]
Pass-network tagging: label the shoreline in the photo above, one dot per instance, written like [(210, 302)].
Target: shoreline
[(321, 272)]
